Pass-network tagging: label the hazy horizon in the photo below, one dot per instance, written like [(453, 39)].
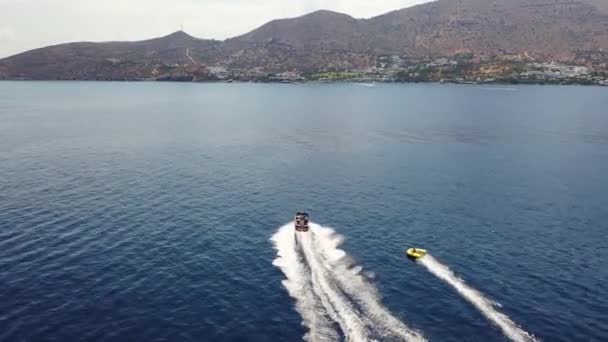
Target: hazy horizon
[(64, 21)]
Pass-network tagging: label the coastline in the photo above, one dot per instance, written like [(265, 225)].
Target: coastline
[(362, 82)]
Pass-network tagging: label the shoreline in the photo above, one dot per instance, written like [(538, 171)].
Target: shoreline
[(367, 82)]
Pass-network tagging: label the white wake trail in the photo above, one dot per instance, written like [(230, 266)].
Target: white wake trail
[(329, 288), (483, 304), (298, 284), (339, 306), (352, 282)]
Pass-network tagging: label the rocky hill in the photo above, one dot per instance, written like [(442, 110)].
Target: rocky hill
[(112, 60), (549, 28), (541, 30)]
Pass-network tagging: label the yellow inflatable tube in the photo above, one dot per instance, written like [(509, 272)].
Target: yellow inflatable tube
[(415, 253)]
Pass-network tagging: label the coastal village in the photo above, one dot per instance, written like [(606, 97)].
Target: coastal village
[(590, 68), (463, 69)]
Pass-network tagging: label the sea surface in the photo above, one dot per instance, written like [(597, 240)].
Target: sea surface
[(161, 212)]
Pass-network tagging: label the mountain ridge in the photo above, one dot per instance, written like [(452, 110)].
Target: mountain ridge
[(549, 30)]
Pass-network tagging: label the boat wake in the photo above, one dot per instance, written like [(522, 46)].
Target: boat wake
[(333, 296), (487, 307)]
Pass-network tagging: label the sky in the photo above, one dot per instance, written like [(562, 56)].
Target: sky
[(29, 24)]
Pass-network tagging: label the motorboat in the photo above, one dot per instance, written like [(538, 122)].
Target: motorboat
[(301, 222)]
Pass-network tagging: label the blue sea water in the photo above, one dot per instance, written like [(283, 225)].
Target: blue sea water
[(145, 211)]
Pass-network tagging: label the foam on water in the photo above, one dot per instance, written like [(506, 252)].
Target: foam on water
[(479, 301), (298, 283), (330, 289)]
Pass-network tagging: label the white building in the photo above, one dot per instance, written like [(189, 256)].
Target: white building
[(554, 70)]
